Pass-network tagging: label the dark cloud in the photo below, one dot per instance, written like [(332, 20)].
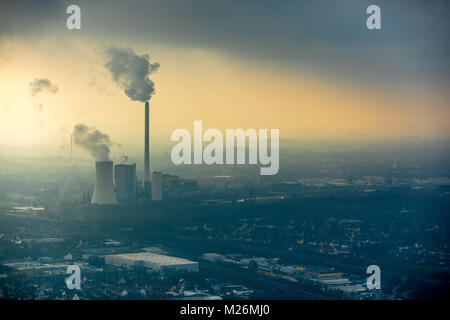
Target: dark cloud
[(131, 71), (93, 141), (42, 85), (328, 35), (30, 17)]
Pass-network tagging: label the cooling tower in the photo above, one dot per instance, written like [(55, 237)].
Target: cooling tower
[(104, 185), (125, 181)]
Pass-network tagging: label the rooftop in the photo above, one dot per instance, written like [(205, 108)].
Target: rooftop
[(153, 258)]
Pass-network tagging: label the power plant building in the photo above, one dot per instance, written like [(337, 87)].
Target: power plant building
[(152, 261), (125, 180), (157, 184), (104, 184)]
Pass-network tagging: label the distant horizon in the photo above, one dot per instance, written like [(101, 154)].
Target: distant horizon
[(159, 149)]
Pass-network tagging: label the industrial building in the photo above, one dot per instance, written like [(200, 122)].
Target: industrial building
[(166, 186), (152, 261), (125, 180), (123, 188), (104, 184), (156, 185)]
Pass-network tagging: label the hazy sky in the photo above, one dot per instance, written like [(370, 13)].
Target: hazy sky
[(310, 68)]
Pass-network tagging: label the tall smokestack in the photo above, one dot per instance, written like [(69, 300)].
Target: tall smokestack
[(147, 148), (104, 186)]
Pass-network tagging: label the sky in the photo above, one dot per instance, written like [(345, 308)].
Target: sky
[(309, 68)]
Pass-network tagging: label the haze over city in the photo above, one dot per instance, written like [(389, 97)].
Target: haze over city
[(224, 150)]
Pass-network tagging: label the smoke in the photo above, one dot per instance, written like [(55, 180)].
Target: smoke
[(131, 72), (92, 141), (42, 85), (122, 159)]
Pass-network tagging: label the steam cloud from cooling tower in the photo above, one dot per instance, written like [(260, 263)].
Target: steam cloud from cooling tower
[(131, 71), (93, 141)]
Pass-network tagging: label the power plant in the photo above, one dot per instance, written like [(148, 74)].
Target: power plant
[(124, 188), (125, 179), (104, 185)]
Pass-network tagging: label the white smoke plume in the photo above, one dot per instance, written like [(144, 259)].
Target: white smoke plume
[(131, 71), (93, 141)]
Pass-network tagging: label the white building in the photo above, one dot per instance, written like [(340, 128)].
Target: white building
[(104, 185), (153, 261)]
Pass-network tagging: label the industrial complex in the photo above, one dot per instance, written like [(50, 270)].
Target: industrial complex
[(119, 184)]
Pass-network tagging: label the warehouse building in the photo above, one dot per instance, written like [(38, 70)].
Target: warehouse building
[(152, 261)]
